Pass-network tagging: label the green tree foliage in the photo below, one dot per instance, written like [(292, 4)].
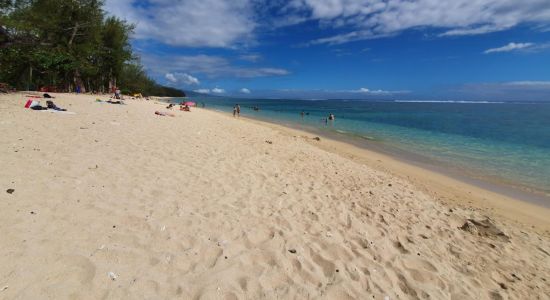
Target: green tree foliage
[(62, 44)]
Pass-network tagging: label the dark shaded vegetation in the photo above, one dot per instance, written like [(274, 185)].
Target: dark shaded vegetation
[(62, 45)]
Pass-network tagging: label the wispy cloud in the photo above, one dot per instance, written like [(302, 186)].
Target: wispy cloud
[(510, 47), (230, 24), (319, 94), (215, 90), (207, 65), (531, 84), (368, 19), (475, 30), (182, 78), (376, 92)]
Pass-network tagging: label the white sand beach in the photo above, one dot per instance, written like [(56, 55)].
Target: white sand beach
[(115, 202)]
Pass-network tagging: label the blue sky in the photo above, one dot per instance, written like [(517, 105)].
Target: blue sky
[(371, 49)]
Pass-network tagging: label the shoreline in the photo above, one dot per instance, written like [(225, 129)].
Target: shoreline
[(440, 182), (494, 184), (505, 186)]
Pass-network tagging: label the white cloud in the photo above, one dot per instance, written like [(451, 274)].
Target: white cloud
[(215, 90), (230, 24), (191, 23), (188, 79), (170, 77), (319, 94), (366, 19), (474, 30), (509, 47), (245, 91), (182, 78), (210, 66), (542, 84), (376, 92)]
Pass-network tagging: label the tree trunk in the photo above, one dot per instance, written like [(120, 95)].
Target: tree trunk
[(75, 30)]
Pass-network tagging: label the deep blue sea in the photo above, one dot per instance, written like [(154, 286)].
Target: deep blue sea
[(508, 142)]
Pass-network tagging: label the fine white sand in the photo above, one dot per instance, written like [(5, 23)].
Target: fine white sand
[(114, 202)]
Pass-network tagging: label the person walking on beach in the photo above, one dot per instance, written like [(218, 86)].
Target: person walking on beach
[(234, 111), (238, 110)]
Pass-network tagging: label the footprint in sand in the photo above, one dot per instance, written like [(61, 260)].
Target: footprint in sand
[(327, 266)]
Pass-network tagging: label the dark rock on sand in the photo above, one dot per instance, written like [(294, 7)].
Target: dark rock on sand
[(10, 191)]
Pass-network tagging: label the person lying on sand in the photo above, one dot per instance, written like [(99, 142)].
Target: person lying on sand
[(164, 113), (114, 102), (52, 105), (170, 106), (185, 108)]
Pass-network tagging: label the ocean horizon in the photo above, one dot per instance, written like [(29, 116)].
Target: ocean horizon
[(503, 142)]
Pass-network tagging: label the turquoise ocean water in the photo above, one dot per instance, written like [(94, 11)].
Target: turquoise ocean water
[(504, 142)]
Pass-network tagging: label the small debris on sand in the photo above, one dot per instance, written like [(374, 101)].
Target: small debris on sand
[(10, 191), (292, 251), (317, 138), (112, 275), (484, 228)]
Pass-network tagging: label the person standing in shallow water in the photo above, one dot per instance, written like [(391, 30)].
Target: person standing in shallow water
[(238, 110), (235, 111)]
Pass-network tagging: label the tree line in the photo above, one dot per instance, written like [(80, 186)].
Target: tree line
[(65, 45)]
